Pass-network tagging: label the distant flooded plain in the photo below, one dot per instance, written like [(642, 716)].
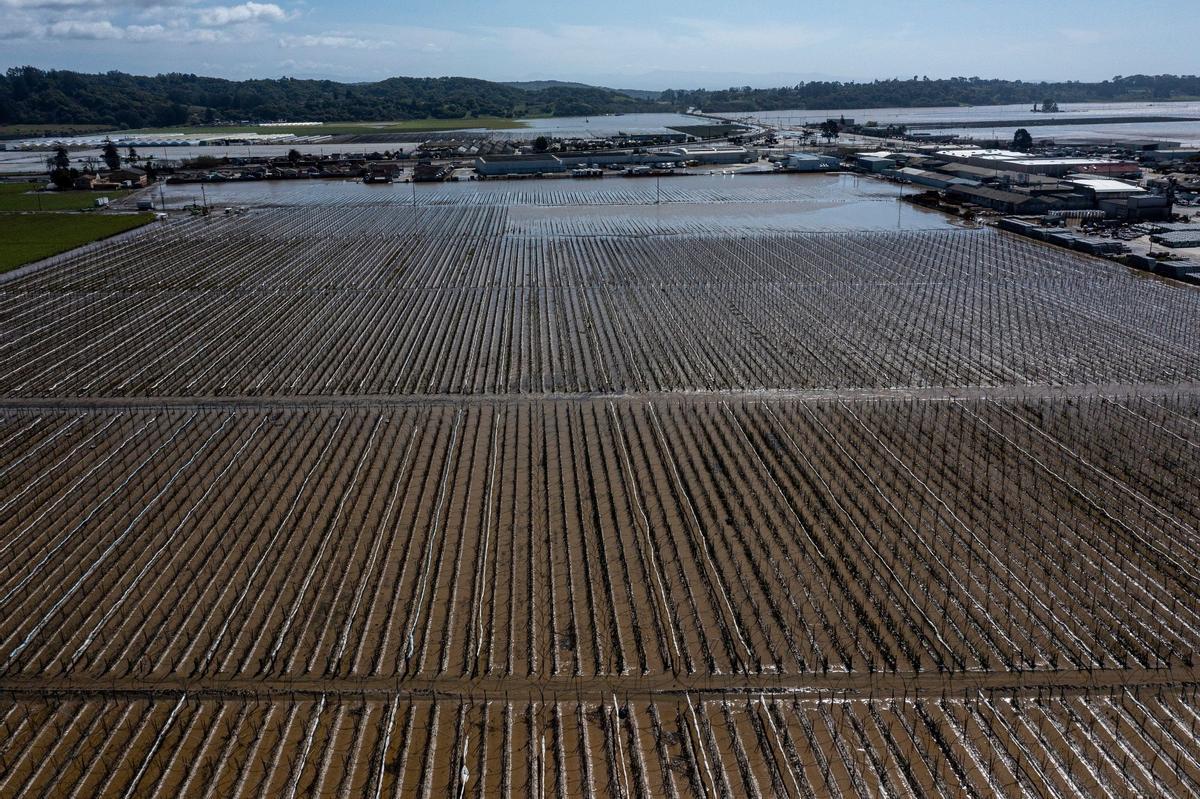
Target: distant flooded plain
[(691, 204)]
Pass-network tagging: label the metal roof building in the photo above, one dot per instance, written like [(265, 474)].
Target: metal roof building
[(1104, 188), (874, 163), (811, 162), (1023, 162), (936, 180), (518, 164), (711, 154), (1006, 201)]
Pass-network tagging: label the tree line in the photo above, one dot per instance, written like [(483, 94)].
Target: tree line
[(923, 92), (35, 96)]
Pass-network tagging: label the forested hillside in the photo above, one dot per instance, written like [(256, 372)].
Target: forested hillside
[(34, 96), (924, 92)]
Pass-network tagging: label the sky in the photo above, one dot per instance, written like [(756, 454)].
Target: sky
[(634, 44)]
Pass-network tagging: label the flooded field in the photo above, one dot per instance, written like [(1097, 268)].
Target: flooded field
[(1186, 133), (947, 114), (695, 203), (544, 490), (610, 125), (33, 162), (1073, 116)]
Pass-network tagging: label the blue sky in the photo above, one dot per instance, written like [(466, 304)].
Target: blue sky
[(624, 43)]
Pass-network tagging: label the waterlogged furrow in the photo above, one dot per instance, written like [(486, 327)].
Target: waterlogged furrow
[(601, 537)]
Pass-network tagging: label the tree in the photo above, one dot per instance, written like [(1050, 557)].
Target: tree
[(61, 159), (112, 158), (1049, 107), (131, 155), (63, 178), (1022, 141), (293, 156), (830, 130), (541, 144), (203, 162)]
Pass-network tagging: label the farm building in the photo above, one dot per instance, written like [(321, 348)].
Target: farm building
[(131, 175), (95, 183)]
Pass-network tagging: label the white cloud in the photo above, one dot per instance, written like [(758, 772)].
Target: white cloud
[(174, 33), (217, 16), (106, 30), (144, 21), (333, 40), (16, 30), (83, 29), (48, 8), (48, 4)]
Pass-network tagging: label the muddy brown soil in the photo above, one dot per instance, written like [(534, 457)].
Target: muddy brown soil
[(372, 501)]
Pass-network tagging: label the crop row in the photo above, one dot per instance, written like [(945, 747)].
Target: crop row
[(1140, 742), (287, 310), (580, 538)]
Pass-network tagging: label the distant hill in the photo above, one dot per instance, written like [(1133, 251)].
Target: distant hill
[(538, 85), (34, 96), (31, 96), (641, 94), (925, 93)]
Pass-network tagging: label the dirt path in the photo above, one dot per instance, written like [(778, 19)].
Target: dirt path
[(301, 402), (860, 685)]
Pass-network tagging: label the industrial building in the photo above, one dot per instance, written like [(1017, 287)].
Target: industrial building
[(711, 154), (1175, 154), (1021, 162), (811, 162), (874, 162), (1147, 207), (535, 164), (1104, 188), (924, 177), (604, 158), (1008, 202), (1059, 167)]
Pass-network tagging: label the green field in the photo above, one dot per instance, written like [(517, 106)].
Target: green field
[(30, 237), (17, 197), (20, 131), (348, 128)]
